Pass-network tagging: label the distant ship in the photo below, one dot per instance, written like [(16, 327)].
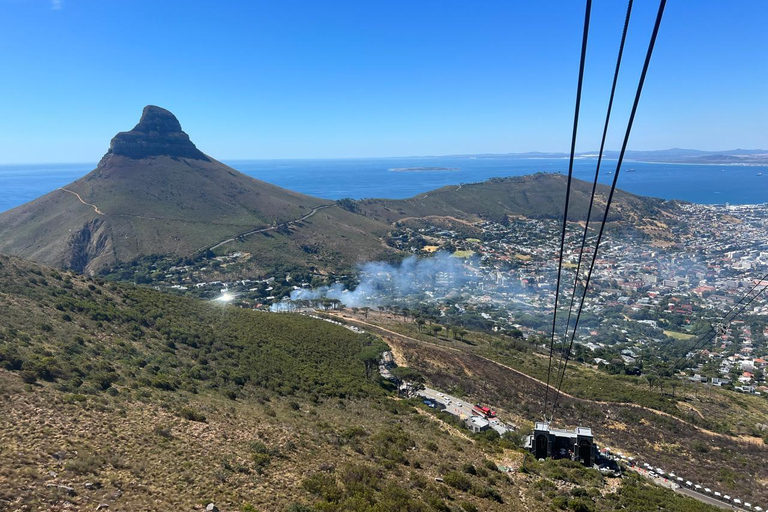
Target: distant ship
[(759, 174), (630, 170)]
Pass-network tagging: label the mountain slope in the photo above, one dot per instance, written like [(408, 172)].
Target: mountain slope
[(153, 192), (535, 196), (119, 397)]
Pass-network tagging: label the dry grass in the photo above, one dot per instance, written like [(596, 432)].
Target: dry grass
[(143, 456), (716, 461)]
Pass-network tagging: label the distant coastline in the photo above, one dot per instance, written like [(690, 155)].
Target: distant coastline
[(332, 179), (423, 169)]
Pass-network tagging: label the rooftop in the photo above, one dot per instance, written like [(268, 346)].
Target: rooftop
[(561, 432)]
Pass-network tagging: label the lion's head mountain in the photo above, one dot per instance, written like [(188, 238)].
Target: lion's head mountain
[(155, 192)]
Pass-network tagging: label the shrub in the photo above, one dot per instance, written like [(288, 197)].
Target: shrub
[(293, 507), (391, 444), (458, 481), (86, 463), (164, 432), (489, 464), (580, 505), (324, 486), (359, 479), (488, 493), (28, 376), (192, 415)]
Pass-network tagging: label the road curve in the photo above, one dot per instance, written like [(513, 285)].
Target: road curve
[(270, 228)]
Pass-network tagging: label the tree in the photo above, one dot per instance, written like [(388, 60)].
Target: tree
[(404, 373), (436, 329), (420, 323), (673, 383), (651, 381), (370, 357), (366, 310)]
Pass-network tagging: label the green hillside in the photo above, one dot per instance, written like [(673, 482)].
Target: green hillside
[(89, 337), (535, 196), (122, 397)]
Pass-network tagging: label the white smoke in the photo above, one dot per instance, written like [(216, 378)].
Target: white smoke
[(414, 279)]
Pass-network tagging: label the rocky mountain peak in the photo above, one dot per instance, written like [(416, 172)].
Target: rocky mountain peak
[(157, 120), (158, 133)]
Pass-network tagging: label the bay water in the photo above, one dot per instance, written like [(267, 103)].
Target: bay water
[(372, 177)]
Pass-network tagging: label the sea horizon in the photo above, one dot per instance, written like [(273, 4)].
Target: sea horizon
[(359, 178)]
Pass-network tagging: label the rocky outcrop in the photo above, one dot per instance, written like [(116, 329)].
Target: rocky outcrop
[(87, 244), (158, 133)]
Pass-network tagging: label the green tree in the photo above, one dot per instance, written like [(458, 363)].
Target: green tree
[(370, 357)]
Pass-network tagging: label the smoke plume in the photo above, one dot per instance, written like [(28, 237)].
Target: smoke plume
[(414, 279)]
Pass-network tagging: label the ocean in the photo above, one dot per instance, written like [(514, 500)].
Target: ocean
[(371, 177)]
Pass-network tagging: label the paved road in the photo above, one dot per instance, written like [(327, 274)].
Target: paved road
[(709, 500), (451, 402), (271, 228), (704, 498)]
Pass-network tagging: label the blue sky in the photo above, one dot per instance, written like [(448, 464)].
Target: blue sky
[(304, 79)]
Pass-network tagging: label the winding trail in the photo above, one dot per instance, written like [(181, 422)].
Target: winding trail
[(95, 208), (270, 228), (228, 240)]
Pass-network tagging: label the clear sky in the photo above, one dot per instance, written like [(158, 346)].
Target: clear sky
[(304, 79)]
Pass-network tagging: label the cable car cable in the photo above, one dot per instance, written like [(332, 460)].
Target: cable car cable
[(597, 168), (585, 35), (632, 114)]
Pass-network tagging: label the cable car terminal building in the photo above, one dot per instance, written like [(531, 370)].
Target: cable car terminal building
[(578, 444)]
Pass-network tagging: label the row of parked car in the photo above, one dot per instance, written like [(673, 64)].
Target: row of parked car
[(655, 472)]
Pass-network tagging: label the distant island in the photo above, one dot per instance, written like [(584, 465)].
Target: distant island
[(424, 169)]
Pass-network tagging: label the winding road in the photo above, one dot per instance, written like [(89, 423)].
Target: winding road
[(270, 228)]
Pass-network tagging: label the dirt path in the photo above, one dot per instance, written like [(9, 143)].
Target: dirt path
[(95, 208), (542, 383), (270, 228)]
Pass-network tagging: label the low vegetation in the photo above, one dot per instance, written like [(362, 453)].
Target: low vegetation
[(89, 337), (122, 396)]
